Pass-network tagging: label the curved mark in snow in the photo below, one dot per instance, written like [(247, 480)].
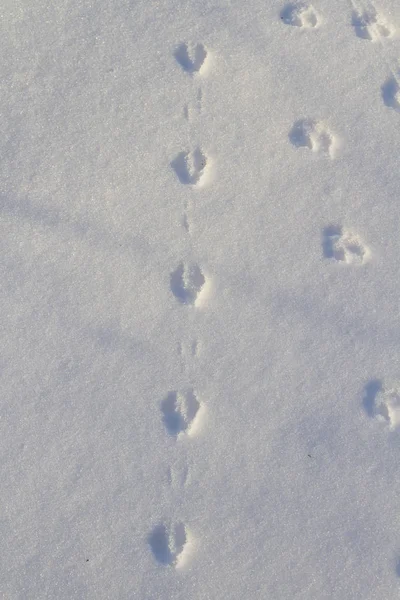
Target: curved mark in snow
[(170, 544), (181, 412), (192, 58), (187, 283), (190, 167)]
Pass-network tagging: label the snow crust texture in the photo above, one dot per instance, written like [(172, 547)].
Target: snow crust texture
[(199, 266)]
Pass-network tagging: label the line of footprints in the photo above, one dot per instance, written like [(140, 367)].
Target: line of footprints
[(367, 22), (181, 410), (368, 25)]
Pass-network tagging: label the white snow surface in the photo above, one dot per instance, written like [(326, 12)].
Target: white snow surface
[(199, 300)]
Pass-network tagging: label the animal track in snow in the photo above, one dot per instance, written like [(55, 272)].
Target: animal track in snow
[(383, 403), (188, 283), (314, 135), (343, 246), (300, 15), (369, 25), (170, 545), (193, 58), (391, 93), (191, 167), (181, 412), (188, 353)]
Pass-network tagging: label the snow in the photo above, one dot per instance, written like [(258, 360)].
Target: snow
[(199, 260)]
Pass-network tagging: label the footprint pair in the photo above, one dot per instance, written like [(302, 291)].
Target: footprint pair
[(368, 24)]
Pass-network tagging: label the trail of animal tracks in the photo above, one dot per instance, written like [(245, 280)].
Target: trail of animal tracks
[(199, 291)]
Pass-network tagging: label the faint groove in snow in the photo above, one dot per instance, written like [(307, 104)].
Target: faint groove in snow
[(179, 477), (191, 349), (193, 109)]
